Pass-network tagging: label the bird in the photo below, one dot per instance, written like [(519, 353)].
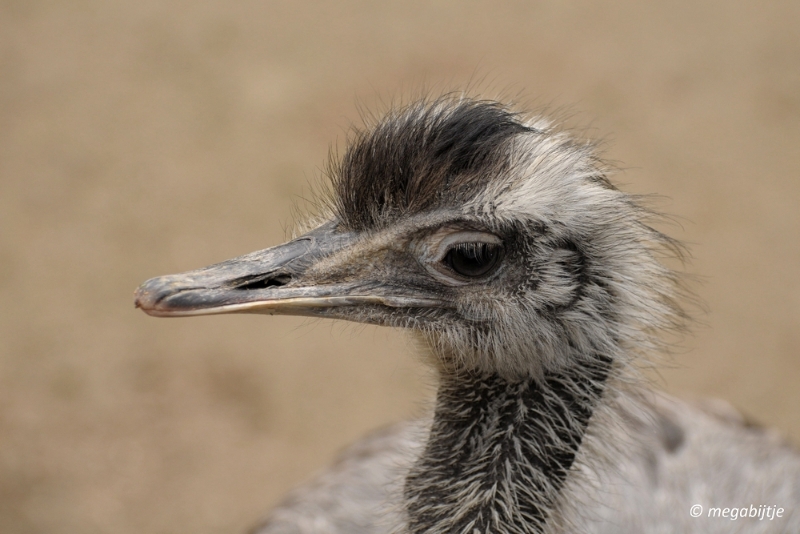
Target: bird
[(538, 291)]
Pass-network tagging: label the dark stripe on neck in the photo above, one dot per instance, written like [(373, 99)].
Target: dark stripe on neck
[(499, 450)]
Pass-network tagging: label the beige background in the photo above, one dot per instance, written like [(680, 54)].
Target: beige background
[(147, 137)]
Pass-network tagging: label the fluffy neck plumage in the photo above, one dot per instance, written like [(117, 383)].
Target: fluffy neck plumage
[(499, 451)]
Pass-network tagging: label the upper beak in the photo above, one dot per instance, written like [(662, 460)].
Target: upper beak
[(273, 281)]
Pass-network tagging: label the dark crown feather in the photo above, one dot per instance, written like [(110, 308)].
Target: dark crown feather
[(430, 153)]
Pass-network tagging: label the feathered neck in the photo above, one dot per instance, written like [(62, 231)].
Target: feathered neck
[(499, 450)]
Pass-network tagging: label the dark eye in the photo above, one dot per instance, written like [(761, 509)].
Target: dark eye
[(472, 259)]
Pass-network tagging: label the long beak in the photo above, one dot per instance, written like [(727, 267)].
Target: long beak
[(273, 281)]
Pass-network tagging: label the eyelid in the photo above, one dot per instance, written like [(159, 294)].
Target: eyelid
[(443, 245)]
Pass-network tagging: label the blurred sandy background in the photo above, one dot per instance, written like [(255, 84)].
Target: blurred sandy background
[(142, 138)]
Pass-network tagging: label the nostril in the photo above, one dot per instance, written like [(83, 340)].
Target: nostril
[(249, 283)]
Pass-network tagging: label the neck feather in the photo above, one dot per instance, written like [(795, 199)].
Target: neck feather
[(499, 450)]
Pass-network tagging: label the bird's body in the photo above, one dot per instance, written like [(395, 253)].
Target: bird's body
[(536, 288), (677, 455)]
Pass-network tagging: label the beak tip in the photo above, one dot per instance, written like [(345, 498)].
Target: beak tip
[(147, 295)]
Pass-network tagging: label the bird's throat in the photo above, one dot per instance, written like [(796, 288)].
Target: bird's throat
[(499, 451)]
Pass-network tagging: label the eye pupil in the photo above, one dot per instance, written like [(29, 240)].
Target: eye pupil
[(472, 259)]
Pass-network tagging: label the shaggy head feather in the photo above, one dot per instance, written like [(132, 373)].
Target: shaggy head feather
[(581, 273)]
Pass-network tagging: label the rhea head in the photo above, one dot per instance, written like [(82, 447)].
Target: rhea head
[(497, 238)]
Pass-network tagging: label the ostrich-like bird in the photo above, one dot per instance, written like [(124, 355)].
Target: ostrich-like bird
[(536, 286)]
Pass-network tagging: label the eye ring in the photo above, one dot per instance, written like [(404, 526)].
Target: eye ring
[(473, 259), (440, 253)]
